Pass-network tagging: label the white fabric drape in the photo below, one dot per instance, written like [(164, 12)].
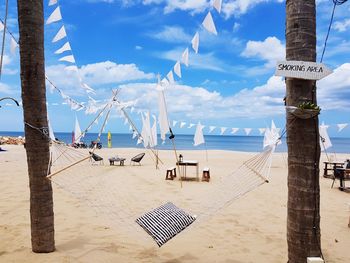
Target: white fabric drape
[(55, 16), (163, 116), (154, 132), (209, 25), (195, 42), (60, 34), (65, 47), (198, 136), (325, 141), (77, 131)]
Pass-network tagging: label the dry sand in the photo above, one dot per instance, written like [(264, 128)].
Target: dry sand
[(251, 229)]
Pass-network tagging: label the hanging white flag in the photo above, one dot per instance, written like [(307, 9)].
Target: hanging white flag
[(174, 123), (209, 25), (191, 125), (222, 130), (184, 57), (234, 130), (262, 130), (170, 77), (217, 5), (55, 16), (60, 34), (154, 140), (272, 136), (247, 130), (13, 46), (1, 26), (211, 128), (198, 136), (163, 115), (177, 69), (195, 42), (64, 48), (182, 124), (52, 2), (325, 141), (341, 126), (69, 58)]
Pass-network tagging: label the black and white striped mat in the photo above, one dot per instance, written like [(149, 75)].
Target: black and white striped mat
[(165, 222)]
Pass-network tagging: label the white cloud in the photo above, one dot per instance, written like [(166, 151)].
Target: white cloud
[(138, 47), (96, 74), (172, 34), (342, 26), (5, 89)]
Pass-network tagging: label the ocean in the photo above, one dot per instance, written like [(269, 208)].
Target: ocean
[(185, 142)]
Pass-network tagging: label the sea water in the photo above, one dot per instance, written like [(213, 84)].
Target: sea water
[(185, 142)]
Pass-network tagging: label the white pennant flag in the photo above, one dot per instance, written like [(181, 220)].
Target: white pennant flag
[(164, 82), (247, 130), (52, 2), (198, 136), (134, 134), (262, 130), (184, 57), (13, 46), (71, 68), (182, 124), (191, 125), (195, 42), (234, 130), (60, 34), (1, 26), (69, 58), (64, 48), (177, 69), (174, 123), (55, 16), (341, 126), (211, 128), (87, 87), (170, 77), (222, 130), (209, 25), (217, 5)]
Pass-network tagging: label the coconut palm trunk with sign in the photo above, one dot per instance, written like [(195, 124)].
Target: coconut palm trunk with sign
[(303, 219)]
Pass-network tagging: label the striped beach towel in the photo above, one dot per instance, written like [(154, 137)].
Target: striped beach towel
[(165, 222)]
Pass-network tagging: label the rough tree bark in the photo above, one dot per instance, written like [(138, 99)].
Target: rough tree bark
[(31, 31), (303, 221)]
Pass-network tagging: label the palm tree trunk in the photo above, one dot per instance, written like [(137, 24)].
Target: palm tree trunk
[(303, 221), (31, 31)]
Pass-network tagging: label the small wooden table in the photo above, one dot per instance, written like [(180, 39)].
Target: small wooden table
[(330, 166), (183, 164), (116, 159)]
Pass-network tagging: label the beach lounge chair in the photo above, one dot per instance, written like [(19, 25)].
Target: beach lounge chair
[(96, 158), (137, 158)]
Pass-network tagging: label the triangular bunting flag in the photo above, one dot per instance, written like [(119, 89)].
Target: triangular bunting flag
[(217, 5), (55, 16), (64, 48), (209, 25), (1, 26), (60, 34), (170, 77), (341, 126), (247, 130), (52, 2), (71, 68), (174, 123), (234, 130), (262, 130), (68, 59), (222, 130), (182, 124), (211, 128), (87, 87), (191, 125), (177, 69), (184, 58), (13, 46), (195, 42)]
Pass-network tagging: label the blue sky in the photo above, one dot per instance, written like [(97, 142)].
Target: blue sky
[(229, 83)]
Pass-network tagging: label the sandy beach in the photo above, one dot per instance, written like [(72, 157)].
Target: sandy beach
[(250, 229)]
